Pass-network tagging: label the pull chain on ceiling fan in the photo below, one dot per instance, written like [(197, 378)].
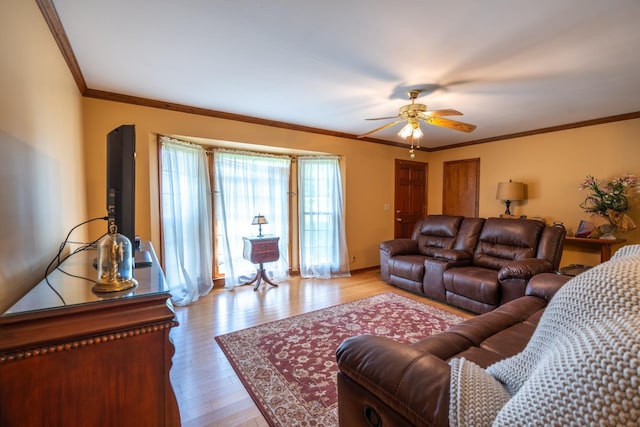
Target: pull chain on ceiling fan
[(413, 113)]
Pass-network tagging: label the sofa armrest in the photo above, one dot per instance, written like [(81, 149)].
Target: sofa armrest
[(399, 247), (433, 282), (412, 383), (546, 285), (524, 269)]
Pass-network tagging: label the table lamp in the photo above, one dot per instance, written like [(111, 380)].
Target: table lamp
[(259, 220), (509, 192)]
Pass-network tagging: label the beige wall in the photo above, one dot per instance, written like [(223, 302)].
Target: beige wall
[(369, 167), (552, 165), (42, 191)]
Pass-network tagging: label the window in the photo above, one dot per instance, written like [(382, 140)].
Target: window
[(247, 184), (323, 247)]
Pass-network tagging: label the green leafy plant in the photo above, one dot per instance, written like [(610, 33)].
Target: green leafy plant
[(611, 196)]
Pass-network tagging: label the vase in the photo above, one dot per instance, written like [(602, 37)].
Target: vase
[(607, 231)]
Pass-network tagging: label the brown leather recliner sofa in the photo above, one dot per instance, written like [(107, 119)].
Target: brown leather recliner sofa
[(382, 382), (473, 263)]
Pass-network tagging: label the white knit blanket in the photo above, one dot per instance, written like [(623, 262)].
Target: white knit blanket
[(581, 366)]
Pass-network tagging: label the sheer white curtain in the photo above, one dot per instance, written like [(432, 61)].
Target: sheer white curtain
[(323, 242), (186, 221), (246, 185)]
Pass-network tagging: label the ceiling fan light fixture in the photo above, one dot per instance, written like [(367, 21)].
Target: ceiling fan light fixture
[(412, 113), (417, 132), (412, 128), (406, 131)]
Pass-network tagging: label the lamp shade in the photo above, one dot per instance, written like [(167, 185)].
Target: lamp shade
[(412, 128), (259, 220), (406, 131), (510, 191)]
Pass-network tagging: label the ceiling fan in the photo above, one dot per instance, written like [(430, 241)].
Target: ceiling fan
[(413, 113)]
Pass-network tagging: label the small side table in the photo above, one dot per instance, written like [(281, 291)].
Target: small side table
[(259, 250), (604, 244)]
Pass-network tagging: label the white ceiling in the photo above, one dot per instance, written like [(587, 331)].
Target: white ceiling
[(509, 65)]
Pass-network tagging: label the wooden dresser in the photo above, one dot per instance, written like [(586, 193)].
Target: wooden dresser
[(258, 250), (261, 249), (99, 360)]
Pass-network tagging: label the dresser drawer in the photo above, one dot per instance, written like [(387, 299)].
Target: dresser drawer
[(261, 249)]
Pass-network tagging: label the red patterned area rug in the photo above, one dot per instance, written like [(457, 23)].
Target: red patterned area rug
[(289, 366)]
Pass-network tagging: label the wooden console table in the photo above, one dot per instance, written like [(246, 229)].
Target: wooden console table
[(604, 244), (99, 359), (259, 250)]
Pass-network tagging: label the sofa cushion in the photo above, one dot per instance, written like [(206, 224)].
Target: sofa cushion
[(469, 233), (477, 283), (503, 240), (438, 232), (479, 329), (510, 341), (410, 267), (441, 225), (551, 244), (447, 345)]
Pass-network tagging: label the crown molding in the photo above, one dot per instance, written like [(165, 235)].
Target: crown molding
[(60, 36)]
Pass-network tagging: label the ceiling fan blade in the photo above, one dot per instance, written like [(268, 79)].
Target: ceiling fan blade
[(388, 125), (451, 124), (446, 112), (383, 118)]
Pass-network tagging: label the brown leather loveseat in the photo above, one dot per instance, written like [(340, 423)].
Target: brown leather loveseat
[(382, 382), (473, 263)]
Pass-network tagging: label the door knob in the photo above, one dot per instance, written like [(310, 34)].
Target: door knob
[(399, 219)]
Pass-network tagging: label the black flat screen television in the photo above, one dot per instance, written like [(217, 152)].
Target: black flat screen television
[(121, 187), (121, 180)]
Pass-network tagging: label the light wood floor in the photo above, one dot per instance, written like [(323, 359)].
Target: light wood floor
[(209, 392)]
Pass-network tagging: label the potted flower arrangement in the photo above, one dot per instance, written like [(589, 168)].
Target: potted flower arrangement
[(608, 203)]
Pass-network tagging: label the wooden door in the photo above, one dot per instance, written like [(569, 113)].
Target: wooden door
[(410, 196), (461, 182)]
